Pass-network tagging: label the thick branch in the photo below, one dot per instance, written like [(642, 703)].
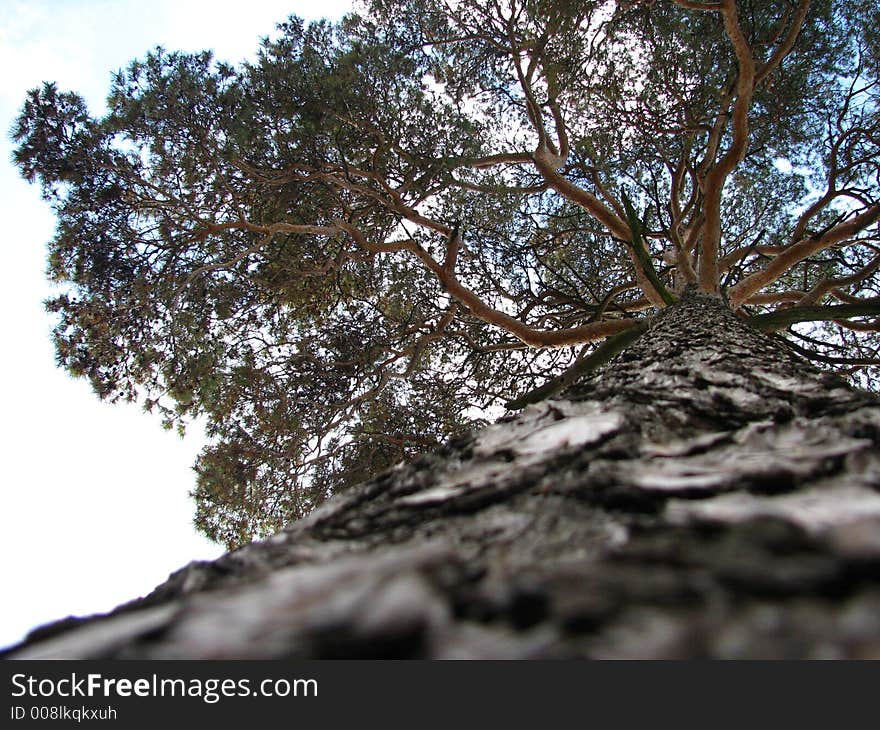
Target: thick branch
[(602, 354), (714, 183), (798, 252), (529, 335), (785, 317), (696, 5), (784, 48), (826, 285), (781, 297), (502, 158)]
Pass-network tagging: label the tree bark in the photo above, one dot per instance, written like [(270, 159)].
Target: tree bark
[(708, 493)]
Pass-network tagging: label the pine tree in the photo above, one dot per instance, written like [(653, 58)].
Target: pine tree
[(383, 232)]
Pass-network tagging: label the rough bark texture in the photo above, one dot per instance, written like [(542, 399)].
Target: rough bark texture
[(708, 494)]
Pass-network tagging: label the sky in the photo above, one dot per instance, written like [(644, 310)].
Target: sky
[(94, 505)]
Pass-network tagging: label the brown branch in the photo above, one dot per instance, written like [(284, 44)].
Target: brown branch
[(602, 354), (548, 159), (783, 297), (740, 253), (591, 204), (784, 317), (499, 189), (872, 326), (696, 5), (714, 183), (784, 48), (850, 299), (686, 273), (826, 285), (452, 248), (502, 158), (798, 252), (529, 335)]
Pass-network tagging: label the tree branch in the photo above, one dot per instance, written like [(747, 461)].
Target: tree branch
[(602, 354), (798, 252), (785, 317), (716, 177)]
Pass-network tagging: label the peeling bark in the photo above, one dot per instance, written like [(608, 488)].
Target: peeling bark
[(708, 493)]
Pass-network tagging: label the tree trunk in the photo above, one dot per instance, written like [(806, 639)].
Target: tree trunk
[(708, 494)]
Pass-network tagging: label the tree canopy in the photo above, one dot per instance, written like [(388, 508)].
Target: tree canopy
[(385, 228)]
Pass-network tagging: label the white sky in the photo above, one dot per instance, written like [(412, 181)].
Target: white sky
[(93, 497)]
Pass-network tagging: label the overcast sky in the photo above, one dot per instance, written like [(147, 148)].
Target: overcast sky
[(94, 506)]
